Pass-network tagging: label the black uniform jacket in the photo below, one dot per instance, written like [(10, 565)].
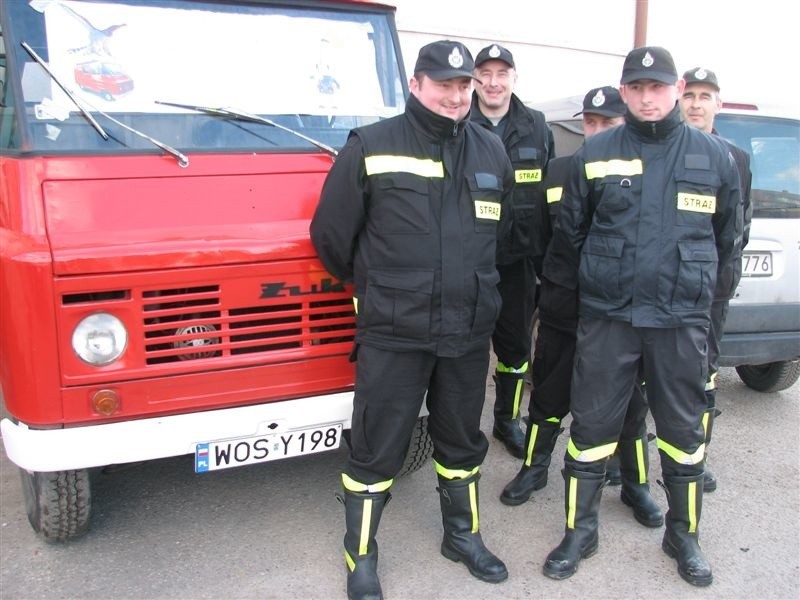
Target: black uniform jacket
[(412, 213), (554, 182), (529, 143), (650, 215), (727, 282)]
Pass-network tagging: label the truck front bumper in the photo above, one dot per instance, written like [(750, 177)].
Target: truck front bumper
[(87, 446)]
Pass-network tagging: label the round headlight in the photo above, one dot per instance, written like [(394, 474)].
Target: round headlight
[(99, 339)]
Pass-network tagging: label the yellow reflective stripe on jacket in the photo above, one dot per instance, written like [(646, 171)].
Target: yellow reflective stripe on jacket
[(679, 456), (627, 168), (351, 564), (705, 420), (701, 203), (372, 488), (591, 454), (528, 175), (453, 473), (355, 304), (388, 163), (554, 194)]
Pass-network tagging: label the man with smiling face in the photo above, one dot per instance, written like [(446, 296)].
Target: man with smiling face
[(700, 104), (412, 213), (650, 219), (529, 144)]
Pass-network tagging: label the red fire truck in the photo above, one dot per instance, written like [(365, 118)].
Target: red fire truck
[(159, 295)]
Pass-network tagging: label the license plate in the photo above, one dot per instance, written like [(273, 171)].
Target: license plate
[(756, 264), (225, 454)]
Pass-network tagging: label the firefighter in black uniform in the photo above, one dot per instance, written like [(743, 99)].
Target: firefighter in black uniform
[(651, 216), (529, 144), (603, 109), (412, 213), (700, 103)]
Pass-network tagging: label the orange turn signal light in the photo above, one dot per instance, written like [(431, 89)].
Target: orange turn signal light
[(105, 402)]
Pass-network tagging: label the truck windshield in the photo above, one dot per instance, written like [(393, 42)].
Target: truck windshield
[(319, 69)]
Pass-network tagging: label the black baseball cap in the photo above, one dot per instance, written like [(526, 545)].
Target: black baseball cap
[(701, 75), (649, 62), (604, 101), (444, 59), (495, 52)]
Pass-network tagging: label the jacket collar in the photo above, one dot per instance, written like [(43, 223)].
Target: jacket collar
[(431, 124), (655, 130), (517, 112)]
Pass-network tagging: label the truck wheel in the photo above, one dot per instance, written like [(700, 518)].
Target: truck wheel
[(420, 449), (772, 377), (58, 504)]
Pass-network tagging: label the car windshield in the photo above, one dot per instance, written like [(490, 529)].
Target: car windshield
[(774, 148), (319, 70)]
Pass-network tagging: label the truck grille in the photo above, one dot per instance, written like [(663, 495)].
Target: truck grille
[(183, 324)]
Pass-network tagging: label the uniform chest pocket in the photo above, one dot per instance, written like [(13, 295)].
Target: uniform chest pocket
[(617, 193), (485, 194), (695, 197), (401, 204), (527, 163)]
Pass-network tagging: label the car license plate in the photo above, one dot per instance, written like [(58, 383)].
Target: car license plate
[(756, 264), (225, 454)]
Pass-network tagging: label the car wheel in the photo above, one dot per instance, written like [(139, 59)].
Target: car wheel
[(772, 377), (420, 449), (58, 504)]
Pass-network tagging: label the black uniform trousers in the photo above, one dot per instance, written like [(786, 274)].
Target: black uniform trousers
[(719, 312), (389, 390), (609, 356), (511, 339), (553, 363)]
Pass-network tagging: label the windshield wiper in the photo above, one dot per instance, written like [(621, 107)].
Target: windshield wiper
[(244, 116), (64, 89), (183, 160)]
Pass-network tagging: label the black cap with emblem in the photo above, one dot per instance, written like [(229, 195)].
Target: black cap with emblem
[(444, 59), (604, 101), (494, 52), (649, 62), (701, 75)]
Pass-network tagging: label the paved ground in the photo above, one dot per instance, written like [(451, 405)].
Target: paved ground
[(274, 530)]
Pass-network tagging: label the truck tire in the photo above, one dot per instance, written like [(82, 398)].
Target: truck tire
[(58, 504), (772, 377), (420, 449)]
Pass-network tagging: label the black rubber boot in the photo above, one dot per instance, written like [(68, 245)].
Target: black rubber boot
[(709, 479), (539, 443), (635, 492), (613, 474), (580, 533), (509, 388), (462, 540), (681, 535), (362, 516)]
